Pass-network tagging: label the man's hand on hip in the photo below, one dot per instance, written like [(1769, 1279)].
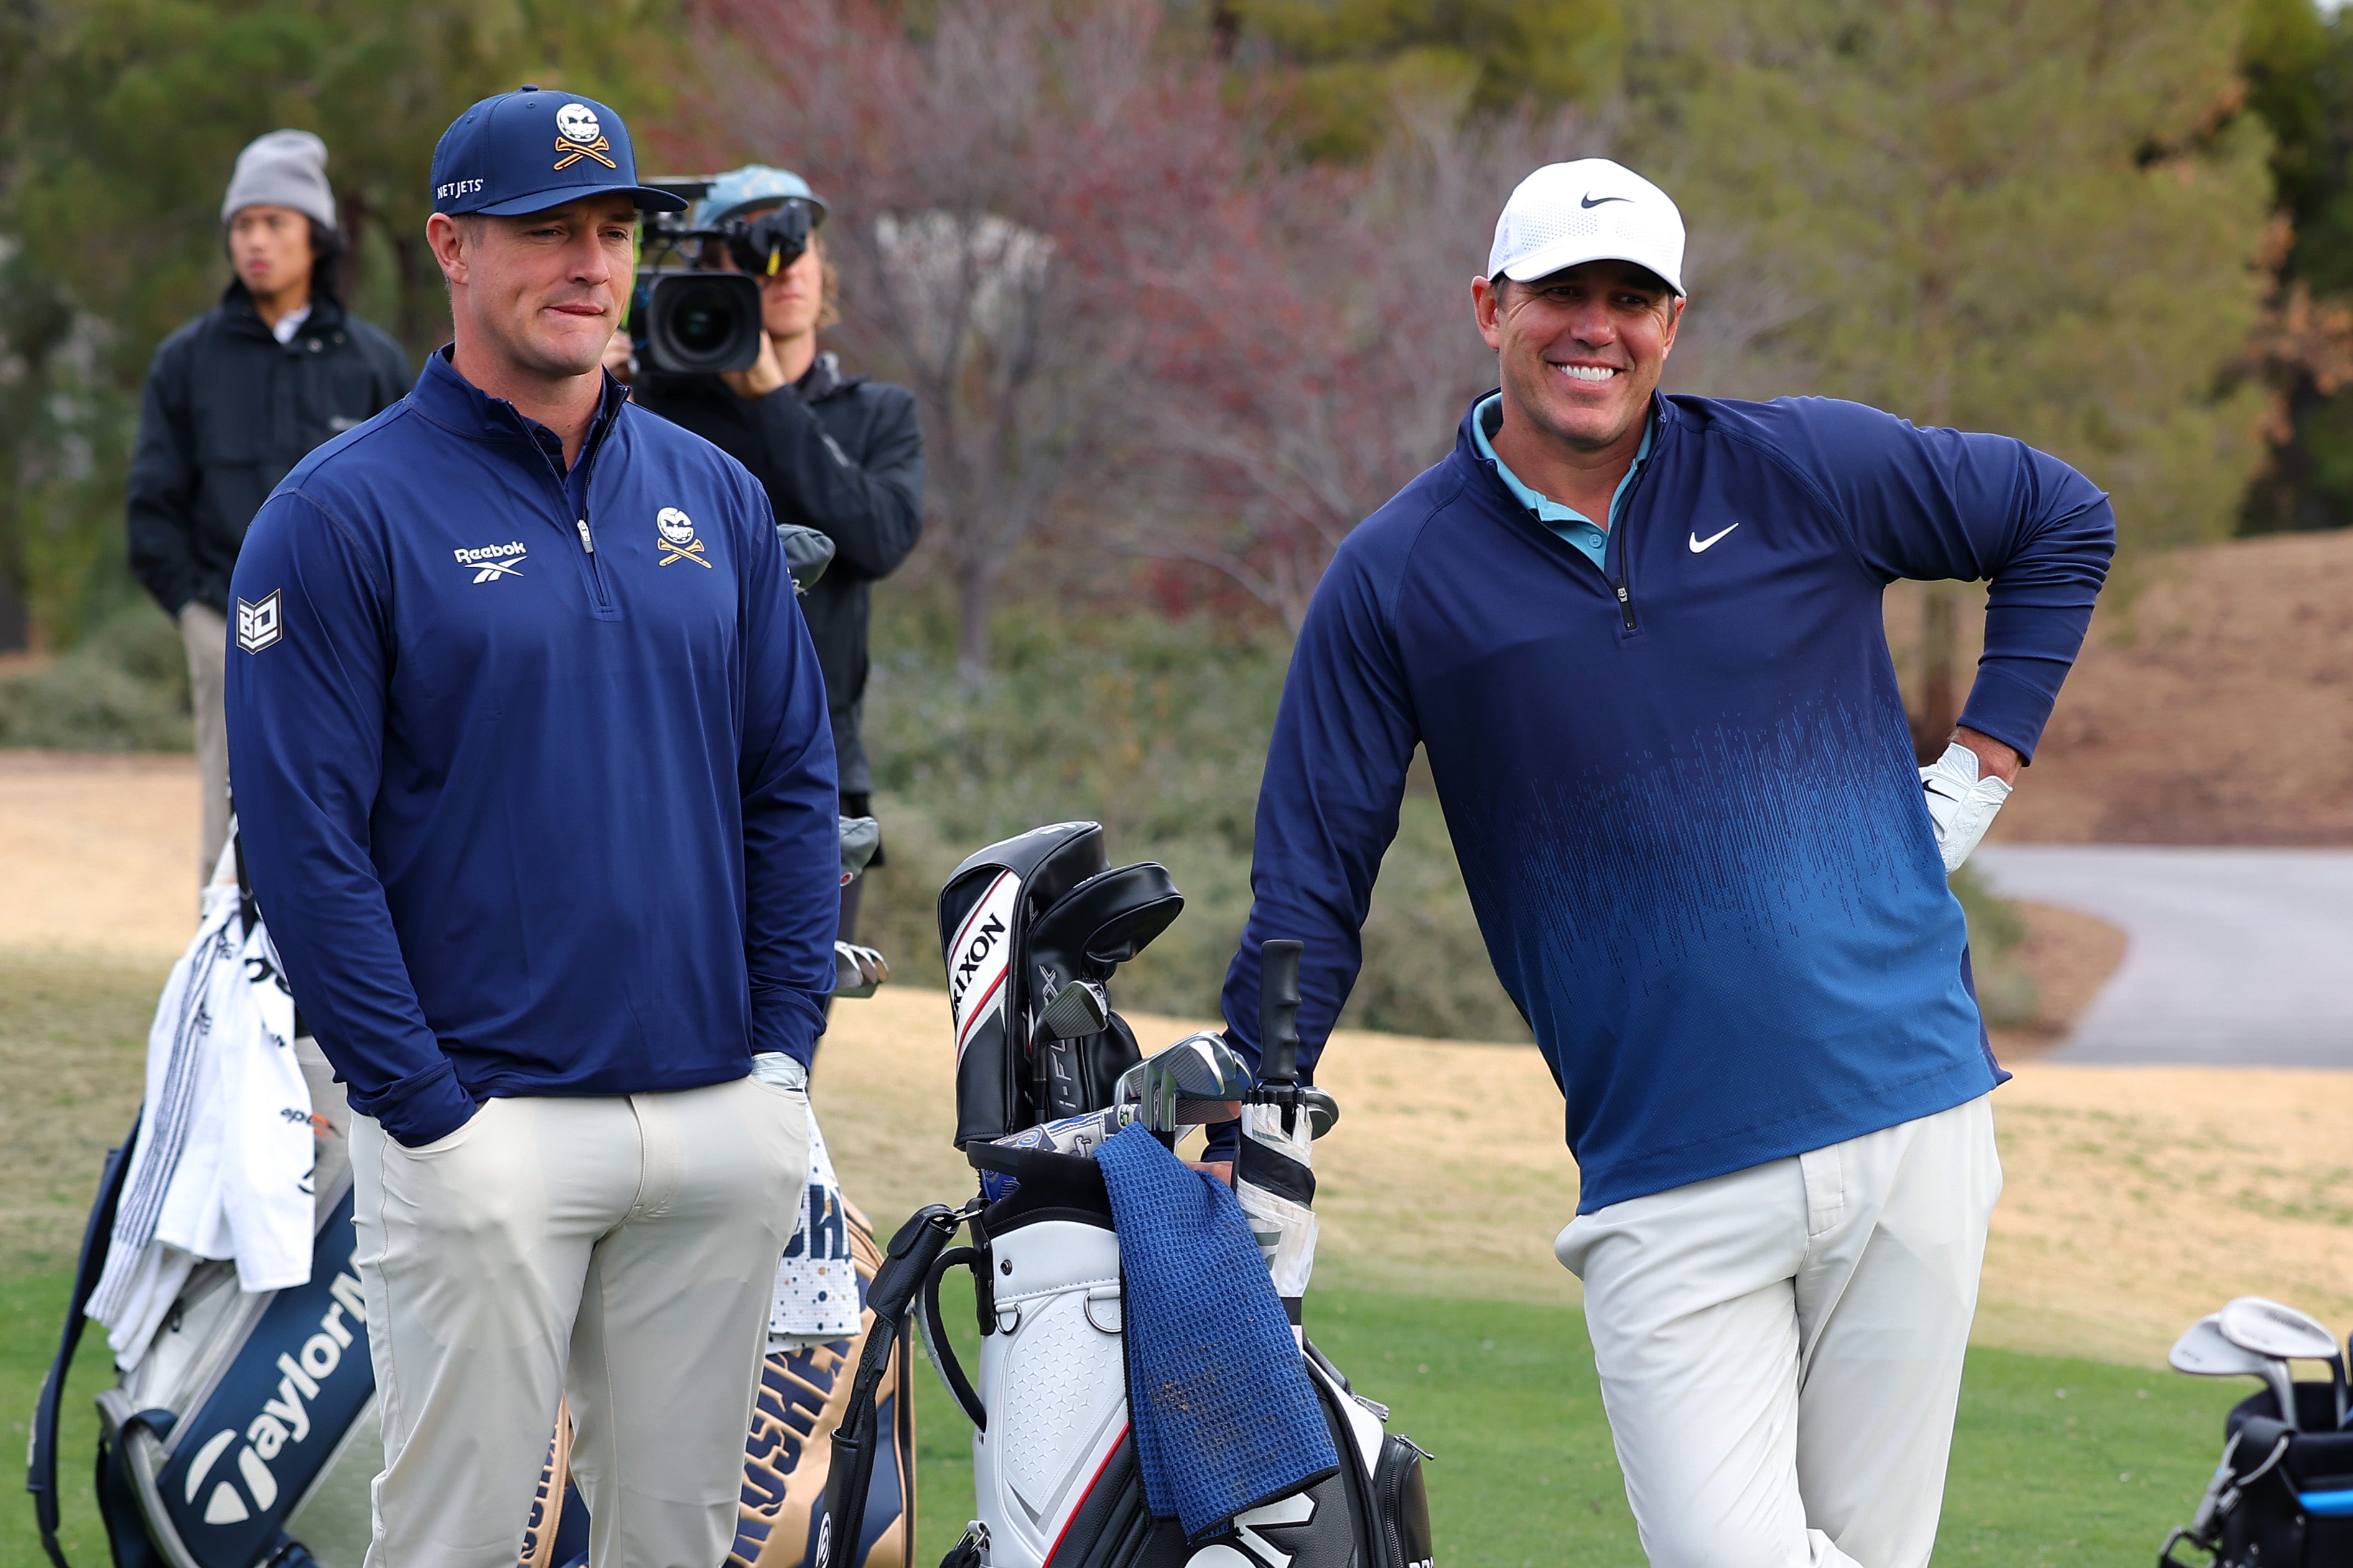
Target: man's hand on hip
[(1994, 759), (1965, 788)]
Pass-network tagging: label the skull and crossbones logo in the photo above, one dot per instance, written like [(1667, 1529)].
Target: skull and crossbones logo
[(677, 533), (578, 137)]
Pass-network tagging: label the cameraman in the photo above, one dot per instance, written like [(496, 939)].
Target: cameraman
[(840, 454)]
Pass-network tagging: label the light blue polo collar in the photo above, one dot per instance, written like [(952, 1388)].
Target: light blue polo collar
[(1571, 524)]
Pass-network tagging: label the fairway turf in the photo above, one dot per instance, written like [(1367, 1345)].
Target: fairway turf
[(1525, 1473), (1505, 1396)]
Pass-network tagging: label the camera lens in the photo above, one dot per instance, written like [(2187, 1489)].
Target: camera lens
[(702, 321)]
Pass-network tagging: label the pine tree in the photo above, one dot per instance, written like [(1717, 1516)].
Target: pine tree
[(1351, 60), (2299, 70), (121, 120), (2038, 218)]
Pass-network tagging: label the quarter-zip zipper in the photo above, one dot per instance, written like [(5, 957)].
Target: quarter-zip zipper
[(1624, 585), (595, 445)]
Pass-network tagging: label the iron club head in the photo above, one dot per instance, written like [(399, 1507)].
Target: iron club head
[(2205, 1351), (2273, 1329), (1200, 1079)]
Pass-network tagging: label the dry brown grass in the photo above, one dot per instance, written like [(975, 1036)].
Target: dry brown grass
[(97, 854), (2137, 1198), (2214, 706)]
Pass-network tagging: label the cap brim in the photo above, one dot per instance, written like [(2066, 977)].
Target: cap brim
[(648, 197), (1567, 254)]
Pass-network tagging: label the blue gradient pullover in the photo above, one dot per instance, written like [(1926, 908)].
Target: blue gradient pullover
[(1680, 786), (526, 817)]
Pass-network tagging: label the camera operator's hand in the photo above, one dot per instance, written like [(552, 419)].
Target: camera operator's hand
[(766, 374), (617, 357)]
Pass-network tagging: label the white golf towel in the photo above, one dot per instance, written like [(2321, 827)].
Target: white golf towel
[(223, 1164)]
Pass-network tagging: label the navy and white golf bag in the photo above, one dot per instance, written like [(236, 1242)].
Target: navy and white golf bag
[(1057, 1480), (245, 1435)]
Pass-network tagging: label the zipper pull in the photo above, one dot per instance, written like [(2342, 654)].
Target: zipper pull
[(587, 543), (1626, 604)]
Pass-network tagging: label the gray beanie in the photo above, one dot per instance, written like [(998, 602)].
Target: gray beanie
[(284, 169)]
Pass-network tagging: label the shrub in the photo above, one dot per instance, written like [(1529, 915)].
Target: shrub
[(1157, 730), (124, 688)]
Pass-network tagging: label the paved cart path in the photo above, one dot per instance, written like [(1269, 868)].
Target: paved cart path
[(2239, 957)]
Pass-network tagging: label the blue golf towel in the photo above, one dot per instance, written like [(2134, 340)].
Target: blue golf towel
[(1223, 1415)]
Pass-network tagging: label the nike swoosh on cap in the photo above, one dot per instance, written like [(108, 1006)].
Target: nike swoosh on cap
[(1590, 200), (1698, 544)]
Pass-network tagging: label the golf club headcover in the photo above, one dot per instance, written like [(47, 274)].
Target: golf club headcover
[(1222, 1414), (860, 836), (1080, 1135)]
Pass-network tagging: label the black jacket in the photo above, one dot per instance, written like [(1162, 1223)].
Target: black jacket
[(229, 409), (840, 454)]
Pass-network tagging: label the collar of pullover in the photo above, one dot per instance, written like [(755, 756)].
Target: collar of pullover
[(1469, 440), (457, 404)]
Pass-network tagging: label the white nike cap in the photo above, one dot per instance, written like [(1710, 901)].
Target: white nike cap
[(1591, 210)]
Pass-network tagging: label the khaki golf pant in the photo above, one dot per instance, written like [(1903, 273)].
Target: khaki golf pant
[(203, 632), (619, 1252), (1780, 1349)]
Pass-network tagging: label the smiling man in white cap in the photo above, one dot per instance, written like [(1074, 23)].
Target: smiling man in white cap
[(1638, 638)]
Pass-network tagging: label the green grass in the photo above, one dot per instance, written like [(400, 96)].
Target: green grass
[(1505, 1396), (32, 1310)]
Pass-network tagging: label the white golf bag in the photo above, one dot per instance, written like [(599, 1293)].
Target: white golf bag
[(245, 1436), (1056, 1481)]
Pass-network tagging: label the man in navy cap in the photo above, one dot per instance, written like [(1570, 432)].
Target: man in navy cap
[(532, 756)]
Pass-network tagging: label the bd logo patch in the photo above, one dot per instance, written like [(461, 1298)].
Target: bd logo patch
[(676, 531), (259, 626)]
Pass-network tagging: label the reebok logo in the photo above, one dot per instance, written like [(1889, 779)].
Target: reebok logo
[(1699, 545), (491, 561)]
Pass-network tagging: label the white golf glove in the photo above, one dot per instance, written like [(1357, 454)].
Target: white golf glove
[(1961, 806)]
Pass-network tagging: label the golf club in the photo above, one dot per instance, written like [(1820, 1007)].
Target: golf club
[(1200, 1079), (1081, 1008), (2271, 1328), (2204, 1352)]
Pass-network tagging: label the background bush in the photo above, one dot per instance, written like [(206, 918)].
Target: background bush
[(1157, 729), (1154, 726), (124, 688)]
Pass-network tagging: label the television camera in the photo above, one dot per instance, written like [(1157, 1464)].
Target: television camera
[(685, 319)]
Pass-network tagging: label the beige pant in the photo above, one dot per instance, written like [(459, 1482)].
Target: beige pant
[(1780, 1348), (619, 1252), (206, 635)]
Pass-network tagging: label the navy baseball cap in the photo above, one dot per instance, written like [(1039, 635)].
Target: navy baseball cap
[(530, 150)]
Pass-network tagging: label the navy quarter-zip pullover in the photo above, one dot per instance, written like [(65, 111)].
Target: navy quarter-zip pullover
[(532, 768), (1680, 784)]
